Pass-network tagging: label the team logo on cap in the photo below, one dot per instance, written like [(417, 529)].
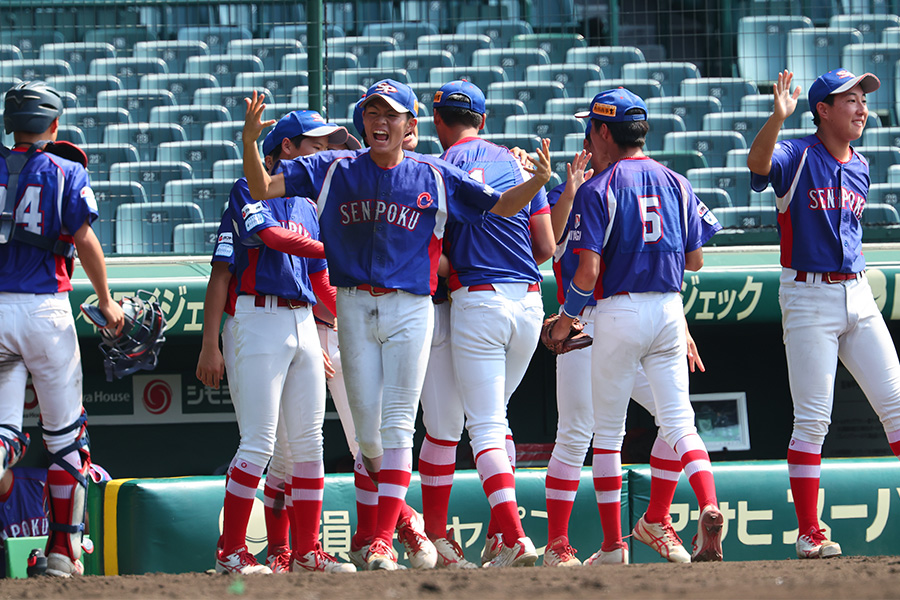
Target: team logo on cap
[(843, 74), (604, 110), (386, 88), (437, 96), (317, 117)]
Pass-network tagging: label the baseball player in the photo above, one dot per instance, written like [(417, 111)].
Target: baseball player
[(277, 357), (382, 212), (827, 308), (493, 279), (643, 222), (47, 207)]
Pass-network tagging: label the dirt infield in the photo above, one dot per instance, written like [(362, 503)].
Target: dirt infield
[(851, 578)]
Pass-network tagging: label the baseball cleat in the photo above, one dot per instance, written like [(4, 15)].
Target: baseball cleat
[(358, 556), (60, 565), (419, 549), (814, 544), (381, 557), (493, 544), (240, 561), (520, 554), (450, 555), (280, 560), (662, 538), (617, 556), (319, 560), (708, 541), (559, 553)]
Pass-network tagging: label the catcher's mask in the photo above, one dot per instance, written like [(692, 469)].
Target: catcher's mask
[(141, 339)]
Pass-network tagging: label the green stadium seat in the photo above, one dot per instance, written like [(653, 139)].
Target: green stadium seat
[(893, 175), (811, 52), (225, 130), (405, 33), (431, 12), (460, 46), (881, 60), (279, 83), (533, 94), (365, 78), (152, 175), (128, 70), (500, 31), (78, 55), (869, 25), (299, 95), (746, 217), (149, 227), (765, 198), (735, 181), (417, 63), (191, 117), (123, 39), (224, 67), (880, 214), (366, 49), (513, 61), (29, 40), (426, 127), (762, 44), (110, 195), (610, 59), (554, 127), (200, 154), (93, 121), (713, 145), (211, 195), (336, 61), (786, 134), (554, 15), (216, 37), (881, 136), (884, 193), (568, 106), (558, 160), (668, 74), (102, 156), (747, 124), (880, 159), (137, 102), (145, 137), (231, 168), (737, 158), (269, 51), (727, 90), (299, 32), (181, 85), (34, 68), (86, 87), (10, 52), (483, 77), (497, 112), (429, 144), (713, 198), (765, 103), (173, 52), (891, 35), (69, 134), (231, 98), (680, 161), (526, 142), (572, 76), (573, 142), (660, 125), (352, 15), (195, 238), (554, 44), (341, 99), (645, 88), (691, 109)]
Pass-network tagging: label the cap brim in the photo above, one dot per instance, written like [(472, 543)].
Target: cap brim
[(336, 134), (868, 82), (352, 142), (393, 103)]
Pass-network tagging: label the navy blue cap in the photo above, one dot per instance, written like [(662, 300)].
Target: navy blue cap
[(474, 97)]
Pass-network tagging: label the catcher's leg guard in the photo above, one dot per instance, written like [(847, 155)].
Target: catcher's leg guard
[(12, 447), (67, 486)]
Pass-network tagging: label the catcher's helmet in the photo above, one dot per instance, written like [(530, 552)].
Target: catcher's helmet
[(31, 106), (142, 337)]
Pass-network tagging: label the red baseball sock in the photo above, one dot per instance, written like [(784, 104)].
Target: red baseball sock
[(560, 488), (437, 463), (804, 468), (393, 483), (500, 488), (277, 523), (239, 494), (665, 469), (607, 472), (695, 461), (366, 504), (307, 489)]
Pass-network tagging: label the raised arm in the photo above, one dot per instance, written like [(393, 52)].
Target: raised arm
[(515, 198), (575, 176), (759, 159), (262, 186)]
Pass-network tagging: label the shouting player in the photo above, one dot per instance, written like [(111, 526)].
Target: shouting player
[(827, 308)]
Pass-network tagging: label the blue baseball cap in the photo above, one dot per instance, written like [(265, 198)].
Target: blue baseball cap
[(474, 96), (358, 120), (838, 82), (399, 95), (308, 123), (610, 106)]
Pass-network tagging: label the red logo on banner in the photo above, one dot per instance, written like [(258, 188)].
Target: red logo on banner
[(157, 397)]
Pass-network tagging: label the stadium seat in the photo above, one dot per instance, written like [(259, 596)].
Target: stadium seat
[(340, 99), (365, 78), (299, 96), (737, 158), (811, 52), (558, 160), (279, 83), (890, 35), (417, 63), (880, 214), (735, 181), (691, 109), (152, 175), (762, 45), (747, 124), (660, 125), (269, 51), (432, 12), (145, 137), (86, 87), (230, 168), (128, 70), (200, 154), (668, 74), (880, 60), (460, 46), (93, 121), (713, 198), (713, 145), (884, 193), (216, 37), (554, 181), (483, 77), (34, 68), (554, 15), (574, 77), (869, 25), (123, 39), (336, 61), (554, 44), (148, 227), (497, 112), (102, 156), (173, 52), (429, 144), (500, 31), (554, 127), (29, 40), (568, 106), (526, 142), (405, 33), (609, 58), (366, 49), (181, 85), (231, 98), (426, 127), (765, 198), (195, 238), (765, 103), (299, 32), (78, 55), (137, 102), (10, 52), (786, 134), (573, 143), (645, 88), (351, 15), (747, 217), (533, 95), (893, 175), (513, 61), (226, 130), (224, 67), (680, 161), (727, 90), (211, 195), (65, 133), (881, 136), (424, 92), (109, 196), (880, 159)]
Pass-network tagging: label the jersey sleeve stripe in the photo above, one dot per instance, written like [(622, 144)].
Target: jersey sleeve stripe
[(60, 187), (784, 203), (440, 219), (326, 187)]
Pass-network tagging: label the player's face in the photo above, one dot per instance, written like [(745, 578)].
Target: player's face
[(848, 116), (385, 127), (411, 139), (311, 145)]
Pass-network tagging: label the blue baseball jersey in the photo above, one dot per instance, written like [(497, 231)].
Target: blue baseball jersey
[(23, 511), (223, 251), (261, 270), (54, 199), (384, 227), (496, 249), (820, 202), (565, 262), (641, 218)]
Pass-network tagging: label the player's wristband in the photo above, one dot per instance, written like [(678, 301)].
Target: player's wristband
[(576, 300)]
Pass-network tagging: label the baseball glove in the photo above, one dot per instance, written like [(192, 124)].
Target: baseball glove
[(575, 340)]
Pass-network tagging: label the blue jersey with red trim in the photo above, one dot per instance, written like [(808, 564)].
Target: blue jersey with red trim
[(223, 251), (384, 227), (23, 512), (261, 270), (496, 249), (54, 199), (641, 218), (565, 261), (820, 201)]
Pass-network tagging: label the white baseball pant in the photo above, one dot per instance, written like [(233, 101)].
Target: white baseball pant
[(328, 339), (442, 407)]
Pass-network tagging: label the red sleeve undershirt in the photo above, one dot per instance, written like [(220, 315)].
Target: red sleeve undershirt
[(323, 289), (278, 238)]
